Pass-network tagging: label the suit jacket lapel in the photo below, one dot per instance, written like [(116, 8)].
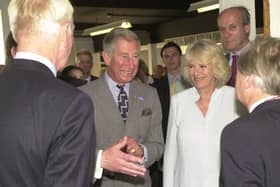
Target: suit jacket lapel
[(109, 101), (135, 102)]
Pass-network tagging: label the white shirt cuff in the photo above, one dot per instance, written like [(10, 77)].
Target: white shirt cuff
[(98, 169), (145, 156)]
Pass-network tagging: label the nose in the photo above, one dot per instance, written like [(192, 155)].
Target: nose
[(131, 61), (197, 70), (226, 33)]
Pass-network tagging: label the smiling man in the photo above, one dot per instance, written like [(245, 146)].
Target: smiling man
[(127, 116)]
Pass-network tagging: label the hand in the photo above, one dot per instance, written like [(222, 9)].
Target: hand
[(133, 148), (113, 159)]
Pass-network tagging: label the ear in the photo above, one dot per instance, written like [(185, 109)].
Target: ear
[(107, 58), (66, 34), (13, 51), (64, 43), (247, 28), (250, 81)]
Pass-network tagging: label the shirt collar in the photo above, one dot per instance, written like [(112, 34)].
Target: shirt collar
[(257, 103), (112, 84), (170, 77), (38, 58), (243, 50)]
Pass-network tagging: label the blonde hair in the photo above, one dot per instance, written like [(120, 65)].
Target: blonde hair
[(263, 61), (34, 16), (207, 52)]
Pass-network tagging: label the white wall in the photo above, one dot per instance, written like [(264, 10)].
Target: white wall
[(274, 18)]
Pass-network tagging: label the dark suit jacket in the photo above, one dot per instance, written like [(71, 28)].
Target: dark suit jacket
[(46, 129), (250, 150), (162, 86)]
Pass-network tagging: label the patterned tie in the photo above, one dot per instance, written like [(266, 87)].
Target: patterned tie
[(231, 81), (123, 102)]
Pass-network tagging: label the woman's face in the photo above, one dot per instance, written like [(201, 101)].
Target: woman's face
[(201, 74)]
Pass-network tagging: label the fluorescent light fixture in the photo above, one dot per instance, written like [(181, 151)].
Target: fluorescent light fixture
[(102, 29), (203, 6), (208, 8)]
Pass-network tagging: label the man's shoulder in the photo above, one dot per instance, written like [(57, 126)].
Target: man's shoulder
[(64, 91), (242, 127), (161, 83), (142, 87)]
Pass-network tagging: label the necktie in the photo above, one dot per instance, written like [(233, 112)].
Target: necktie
[(172, 86), (123, 103), (231, 81)]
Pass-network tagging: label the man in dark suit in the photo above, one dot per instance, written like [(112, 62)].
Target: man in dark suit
[(250, 145), (234, 27), (127, 112), (84, 60), (47, 135), (172, 82), (166, 86)]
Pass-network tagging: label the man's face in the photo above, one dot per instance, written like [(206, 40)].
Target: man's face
[(234, 34), (123, 63), (85, 62), (171, 58)]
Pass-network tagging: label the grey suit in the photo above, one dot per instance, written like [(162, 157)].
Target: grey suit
[(143, 124)]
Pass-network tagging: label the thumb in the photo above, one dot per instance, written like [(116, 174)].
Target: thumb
[(121, 143)]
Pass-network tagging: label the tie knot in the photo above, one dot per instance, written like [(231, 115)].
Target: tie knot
[(120, 87), (234, 57)]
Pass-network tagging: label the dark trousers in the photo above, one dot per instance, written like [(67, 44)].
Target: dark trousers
[(156, 174)]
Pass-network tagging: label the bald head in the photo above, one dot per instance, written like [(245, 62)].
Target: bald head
[(234, 27)]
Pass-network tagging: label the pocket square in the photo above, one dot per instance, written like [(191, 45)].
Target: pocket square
[(146, 112)]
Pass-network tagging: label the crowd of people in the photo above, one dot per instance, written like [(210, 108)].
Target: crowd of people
[(180, 127)]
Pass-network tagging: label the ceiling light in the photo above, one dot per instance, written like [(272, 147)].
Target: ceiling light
[(203, 6), (208, 8), (103, 29)]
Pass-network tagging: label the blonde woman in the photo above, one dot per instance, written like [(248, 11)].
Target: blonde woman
[(197, 117)]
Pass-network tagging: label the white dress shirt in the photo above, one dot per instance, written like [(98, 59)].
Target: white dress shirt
[(192, 156)]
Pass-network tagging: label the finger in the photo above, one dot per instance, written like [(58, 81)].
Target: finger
[(133, 159), (133, 169), (121, 143), (132, 172)]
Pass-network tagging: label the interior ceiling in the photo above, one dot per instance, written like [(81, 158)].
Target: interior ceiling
[(141, 13)]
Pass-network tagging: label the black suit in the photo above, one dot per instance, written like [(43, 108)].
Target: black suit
[(162, 86), (250, 150), (46, 129)]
